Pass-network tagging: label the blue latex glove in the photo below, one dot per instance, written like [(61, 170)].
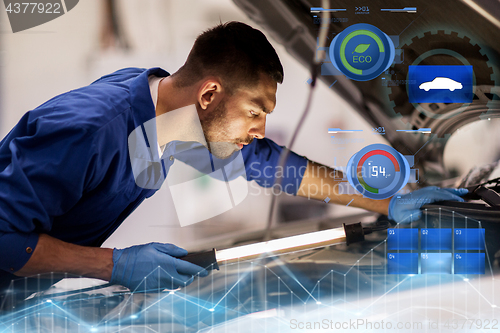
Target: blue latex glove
[(153, 267), (407, 208)]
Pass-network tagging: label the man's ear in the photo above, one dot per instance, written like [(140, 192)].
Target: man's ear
[(210, 91)]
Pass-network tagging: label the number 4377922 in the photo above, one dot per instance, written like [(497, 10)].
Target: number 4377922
[(481, 324), (33, 7)]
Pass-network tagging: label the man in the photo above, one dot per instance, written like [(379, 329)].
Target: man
[(69, 175)]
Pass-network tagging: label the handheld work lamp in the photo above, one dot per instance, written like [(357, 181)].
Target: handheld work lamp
[(212, 259)]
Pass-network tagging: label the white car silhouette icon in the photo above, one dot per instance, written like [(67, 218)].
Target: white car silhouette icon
[(441, 83)]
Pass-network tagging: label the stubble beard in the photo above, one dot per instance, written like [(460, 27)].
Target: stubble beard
[(215, 132)]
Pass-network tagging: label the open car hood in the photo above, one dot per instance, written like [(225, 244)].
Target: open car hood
[(422, 35)]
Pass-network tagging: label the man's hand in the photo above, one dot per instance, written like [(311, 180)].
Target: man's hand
[(407, 208), (127, 267), (318, 183), (153, 267)]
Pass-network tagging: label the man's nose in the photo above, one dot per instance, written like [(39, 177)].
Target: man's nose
[(258, 129)]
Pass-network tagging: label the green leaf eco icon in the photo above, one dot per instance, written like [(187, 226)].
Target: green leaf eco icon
[(361, 48)]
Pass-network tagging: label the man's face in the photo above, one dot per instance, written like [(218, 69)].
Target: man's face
[(240, 117)]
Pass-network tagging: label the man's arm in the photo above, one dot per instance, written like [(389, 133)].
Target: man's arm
[(318, 183), (132, 267), (52, 255)]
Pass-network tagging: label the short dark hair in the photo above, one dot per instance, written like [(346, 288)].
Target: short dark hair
[(234, 52)]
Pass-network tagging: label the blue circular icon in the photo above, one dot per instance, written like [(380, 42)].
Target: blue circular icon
[(362, 52), (378, 171)]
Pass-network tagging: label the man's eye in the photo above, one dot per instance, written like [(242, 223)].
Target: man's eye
[(253, 113)]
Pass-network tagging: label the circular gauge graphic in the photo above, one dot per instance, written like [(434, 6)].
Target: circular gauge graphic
[(362, 52), (378, 171)]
